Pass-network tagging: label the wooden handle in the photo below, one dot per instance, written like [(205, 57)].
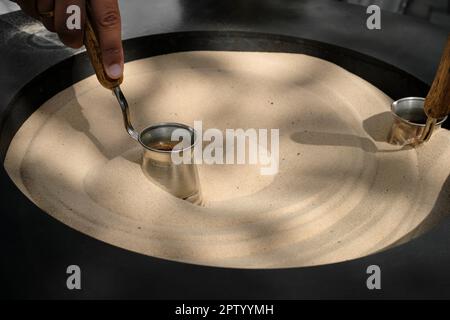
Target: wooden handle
[(437, 104), (95, 55)]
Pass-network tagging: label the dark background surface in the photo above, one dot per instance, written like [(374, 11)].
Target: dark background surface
[(36, 249), (434, 11)]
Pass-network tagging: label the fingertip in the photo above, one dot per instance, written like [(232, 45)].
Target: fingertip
[(113, 62), (114, 71)]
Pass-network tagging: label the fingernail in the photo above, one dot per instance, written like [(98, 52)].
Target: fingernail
[(114, 71)]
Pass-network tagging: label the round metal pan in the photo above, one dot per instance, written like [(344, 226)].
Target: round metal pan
[(36, 264)]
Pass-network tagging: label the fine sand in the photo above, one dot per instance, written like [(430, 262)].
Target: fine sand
[(341, 191)]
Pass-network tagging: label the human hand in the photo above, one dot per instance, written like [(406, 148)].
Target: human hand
[(105, 18)]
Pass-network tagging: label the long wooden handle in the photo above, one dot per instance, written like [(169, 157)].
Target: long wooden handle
[(437, 103), (95, 54)]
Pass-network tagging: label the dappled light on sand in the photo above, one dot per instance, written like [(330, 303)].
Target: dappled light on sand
[(341, 192)]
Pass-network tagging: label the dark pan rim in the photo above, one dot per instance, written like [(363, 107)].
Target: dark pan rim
[(389, 79)]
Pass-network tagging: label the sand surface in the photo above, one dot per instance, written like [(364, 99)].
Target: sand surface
[(341, 191)]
